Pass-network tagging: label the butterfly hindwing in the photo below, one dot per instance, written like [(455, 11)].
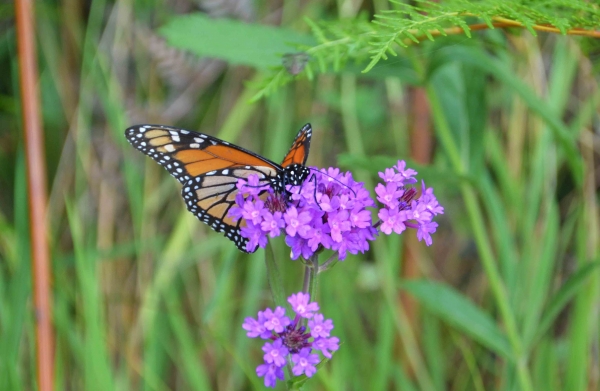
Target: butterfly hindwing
[(210, 197)]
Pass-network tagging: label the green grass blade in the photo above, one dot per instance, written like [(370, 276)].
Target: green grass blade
[(454, 308), (562, 297)]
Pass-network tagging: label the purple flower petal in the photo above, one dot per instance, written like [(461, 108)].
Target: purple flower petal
[(272, 223), (429, 200), (339, 223), (276, 320), (275, 353), (407, 174), (297, 223), (320, 328), (393, 220), (256, 328), (425, 230), (301, 306), (388, 195), (252, 211), (299, 247), (304, 363), (271, 373), (420, 213), (326, 345), (256, 237), (390, 176)]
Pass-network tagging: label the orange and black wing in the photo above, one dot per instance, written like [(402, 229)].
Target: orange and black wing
[(208, 168), (298, 153), (186, 154)]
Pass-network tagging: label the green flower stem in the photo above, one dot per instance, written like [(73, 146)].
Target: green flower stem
[(311, 272), (274, 277), (483, 244), (329, 263)]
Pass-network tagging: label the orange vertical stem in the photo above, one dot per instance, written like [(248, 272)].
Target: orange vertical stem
[(421, 147), (36, 180)]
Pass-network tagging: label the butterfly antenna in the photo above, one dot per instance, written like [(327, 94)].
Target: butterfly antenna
[(335, 179)]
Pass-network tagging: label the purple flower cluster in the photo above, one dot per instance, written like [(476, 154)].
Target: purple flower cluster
[(290, 339), (401, 205), (326, 211), (329, 210)]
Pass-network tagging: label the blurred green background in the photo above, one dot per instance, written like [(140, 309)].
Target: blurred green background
[(504, 125)]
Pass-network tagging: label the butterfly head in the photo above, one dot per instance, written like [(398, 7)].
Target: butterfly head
[(294, 174)]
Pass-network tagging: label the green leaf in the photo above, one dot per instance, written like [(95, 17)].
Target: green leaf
[(456, 309), (564, 295), (236, 42), (504, 73), (399, 68), (274, 277)]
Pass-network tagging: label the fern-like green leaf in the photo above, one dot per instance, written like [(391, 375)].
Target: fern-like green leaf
[(372, 41)]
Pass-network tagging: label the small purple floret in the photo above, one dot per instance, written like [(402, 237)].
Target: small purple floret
[(305, 363), (271, 373), (275, 353), (301, 306)]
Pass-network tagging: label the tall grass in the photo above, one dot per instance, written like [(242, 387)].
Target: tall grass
[(145, 297)]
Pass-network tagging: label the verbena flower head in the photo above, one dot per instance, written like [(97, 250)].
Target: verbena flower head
[(329, 211), (290, 340), (402, 208)]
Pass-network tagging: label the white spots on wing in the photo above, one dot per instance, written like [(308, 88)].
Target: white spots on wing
[(225, 172), (184, 131), (176, 138), (198, 140), (167, 157), (211, 173), (139, 135), (213, 142), (194, 145), (169, 148)]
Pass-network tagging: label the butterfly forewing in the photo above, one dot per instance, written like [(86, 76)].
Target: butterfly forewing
[(186, 154), (209, 169), (298, 153)]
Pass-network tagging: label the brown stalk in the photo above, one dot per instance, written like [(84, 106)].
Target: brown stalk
[(36, 180), (503, 23)]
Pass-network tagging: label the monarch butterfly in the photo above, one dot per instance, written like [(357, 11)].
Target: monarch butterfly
[(209, 169)]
